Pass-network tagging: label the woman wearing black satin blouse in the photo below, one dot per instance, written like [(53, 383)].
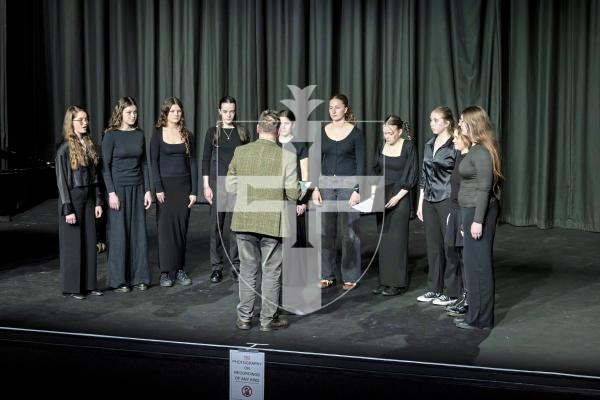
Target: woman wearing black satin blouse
[(127, 183), (481, 180), (175, 175), (79, 203), (434, 206), (342, 161), (396, 160)]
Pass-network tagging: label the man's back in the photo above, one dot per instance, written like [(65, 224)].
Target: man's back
[(263, 176)]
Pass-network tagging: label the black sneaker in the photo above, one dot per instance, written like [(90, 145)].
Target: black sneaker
[(182, 278), (428, 297), (122, 289), (379, 289), (458, 311), (444, 300), (165, 280)]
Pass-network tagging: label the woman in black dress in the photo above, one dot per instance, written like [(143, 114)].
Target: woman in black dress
[(219, 144), (481, 179), (396, 160), (342, 165), (127, 183), (79, 202), (175, 177)]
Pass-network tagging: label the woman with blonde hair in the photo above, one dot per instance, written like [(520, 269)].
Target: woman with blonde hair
[(125, 174), (175, 175), (481, 180), (79, 203)]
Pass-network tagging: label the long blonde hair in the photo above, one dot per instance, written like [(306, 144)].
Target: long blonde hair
[(479, 129), (165, 108), (79, 155)]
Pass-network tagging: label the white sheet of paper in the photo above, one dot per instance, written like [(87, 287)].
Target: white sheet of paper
[(364, 206)]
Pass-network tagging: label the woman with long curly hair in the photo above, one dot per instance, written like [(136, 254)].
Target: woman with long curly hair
[(175, 175), (481, 180), (79, 203), (127, 183)]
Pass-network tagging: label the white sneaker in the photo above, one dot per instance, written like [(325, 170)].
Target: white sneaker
[(444, 300), (427, 297)]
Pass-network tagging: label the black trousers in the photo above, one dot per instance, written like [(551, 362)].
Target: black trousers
[(127, 262), (221, 201), (77, 244), (443, 274), (479, 271), (173, 217), (393, 247)]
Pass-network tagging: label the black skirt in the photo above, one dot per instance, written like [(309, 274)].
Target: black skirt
[(173, 217), (77, 244)]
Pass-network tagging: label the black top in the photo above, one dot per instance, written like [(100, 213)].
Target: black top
[(436, 171), (344, 157), (218, 157), (300, 149), (400, 172), (455, 181), (124, 159), (68, 178), (477, 175), (171, 160)]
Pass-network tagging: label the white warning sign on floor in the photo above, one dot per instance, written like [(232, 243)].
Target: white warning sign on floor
[(246, 375)]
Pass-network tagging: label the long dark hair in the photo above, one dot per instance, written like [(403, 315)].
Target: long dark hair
[(243, 133), (165, 108), (396, 121)]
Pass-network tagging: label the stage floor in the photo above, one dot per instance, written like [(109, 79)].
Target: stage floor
[(547, 302)]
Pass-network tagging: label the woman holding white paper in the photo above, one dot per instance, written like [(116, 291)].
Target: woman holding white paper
[(396, 160)]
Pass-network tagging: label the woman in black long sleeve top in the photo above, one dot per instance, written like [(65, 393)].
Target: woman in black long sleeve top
[(79, 201), (220, 143), (127, 183), (481, 178), (434, 206), (342, 161), (175, 175), (396, 160)]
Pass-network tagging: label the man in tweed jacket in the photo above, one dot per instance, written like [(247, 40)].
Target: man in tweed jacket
[(264, 178)]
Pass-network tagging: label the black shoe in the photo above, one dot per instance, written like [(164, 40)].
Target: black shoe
[(97, 292), (216, 276), (277, 323), (141, 286), (182, 278), (392, 291), (243, 325), (122, 289), (379, 289), (165, 280), (76, 296), (458, 311), (464, 325)]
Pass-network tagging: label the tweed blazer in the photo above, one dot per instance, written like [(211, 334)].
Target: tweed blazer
[(263, 176)]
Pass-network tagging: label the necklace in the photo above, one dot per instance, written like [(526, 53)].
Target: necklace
[(228, 135)]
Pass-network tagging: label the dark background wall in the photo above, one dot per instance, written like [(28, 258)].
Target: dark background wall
[(532, 64)]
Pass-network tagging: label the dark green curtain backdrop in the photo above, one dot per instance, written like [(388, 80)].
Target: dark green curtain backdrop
[(534, 65)]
